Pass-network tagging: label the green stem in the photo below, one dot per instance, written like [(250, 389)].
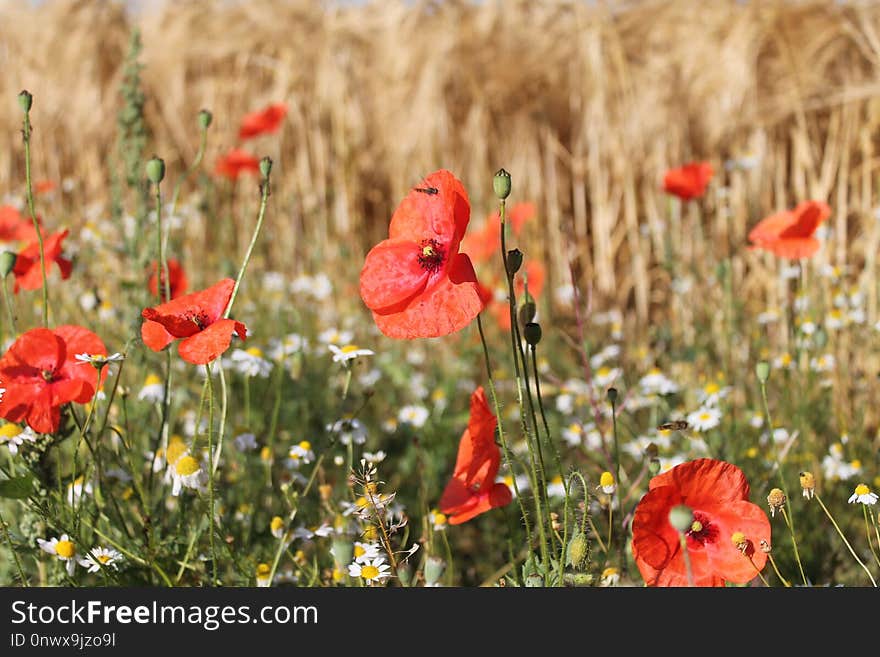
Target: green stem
[(8, 303), (843, 538), (868, 532), (26, 132), (682, 539), (211, 475), (21, 575)]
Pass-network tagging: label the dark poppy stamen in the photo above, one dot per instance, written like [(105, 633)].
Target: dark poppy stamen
[(48, 375), (702, 530), (431, 255), (430, 191), (200, 319)]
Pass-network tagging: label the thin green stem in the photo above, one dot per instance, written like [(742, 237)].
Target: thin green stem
[(868, 532), (450, 564), (211, 475), (26, 132), (846, 542), (10, 314), (797, 555), (682, 539)]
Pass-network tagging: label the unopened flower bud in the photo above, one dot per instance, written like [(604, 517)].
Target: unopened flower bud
[(532, 333), (25, 100), (501, 184), (156, 170), (527, 310), (404, 573), (7, 262), (652, 451), (205, 118), (265, 167), (762, 369), (612, 395), (434, 567), (578, 551), (342, 552), (808, 484), (514, 261), (534, 580), (654, 466), (776, 500), (681, 518)]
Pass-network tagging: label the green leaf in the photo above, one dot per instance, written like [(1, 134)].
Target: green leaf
[(17, 488)]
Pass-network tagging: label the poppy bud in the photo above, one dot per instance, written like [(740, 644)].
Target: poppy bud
[(156, 170), (532, 333), (534, 580), (654, 466), (205, 118), (612, 395), (342, 552), (578, 551), (527, 310), (762, 370), (404, 573), (514, 261), (577, 579), (265, 167), (821, 338), (681, 517), (434, 568), (7, 262), (501, 184), (25, 100), (652, 451)]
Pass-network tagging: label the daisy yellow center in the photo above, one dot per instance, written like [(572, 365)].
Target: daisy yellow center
[(861, 489), (276, 524), (574, 428), (263, 570), (359, 551), (103, 558), (350, 348), (556, 480), (186, 465), (338, 575), (369, 572), (711, 388), (655, 371), (255, 351), (361, 502), (176, 449), (705, 416), (9, 431), (609, 572), (856, 463), (265, 453), (603, 371), (370, 533), (439, 518), (785, 359), (607, 479), (305, 445), (65, 549), (508, 480)]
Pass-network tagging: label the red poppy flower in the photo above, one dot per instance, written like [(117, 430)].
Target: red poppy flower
[(536, 274), (416, 282), (27, 270), (790, 233), (40, 373), (14, 227), (177, 280), (689, 181), (198, 319), (44, 186), (264, 121), (472, 489), (235, 162), (718, 494), (483, 244)]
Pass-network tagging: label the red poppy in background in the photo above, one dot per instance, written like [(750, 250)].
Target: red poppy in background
[(536, 275), (14, 227), (44, 186), (416, 282), (483, 244), (689, 181), (41, 374), (265, 121), (235, 162), (198, 319), (177, 280), (790, 233), (472, 490), (718, 494), (27, 270)]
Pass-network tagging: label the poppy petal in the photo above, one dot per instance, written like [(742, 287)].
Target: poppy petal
[(442, 216), (39, 349), (392, 274), (446, 307), (807, 217), (770, 227), (725, 558), (655, 541), (42, 416), (80, 340), (794, 248), (188, 314), (705, 482), (17, 399), (155, 336), (205, 346)]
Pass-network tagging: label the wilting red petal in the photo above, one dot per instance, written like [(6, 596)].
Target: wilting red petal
[(725, 558), (392, 274), (444, 308), (704, 482), (190, 313), (205, 346), (264, 121), (155, 336), (442, 216)]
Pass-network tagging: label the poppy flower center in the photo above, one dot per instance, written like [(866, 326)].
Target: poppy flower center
[(431, 255), (48, 375), (199, 318), (702, 530)]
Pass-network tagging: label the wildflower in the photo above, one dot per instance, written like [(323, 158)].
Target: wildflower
[(335, 336), (63, 548), (373, 571), (292, 343), (776, 500), (308, 533), (250, 362), (416, 283), (438, 520), (40, 374), (555, 487), (718, 495), (607, 484), (99, 557), (276, 526), (77, 488), (472, 489), (790, 233), (375, 457), (348, 352), (413, 415), (823, 363), (262, 122), (704, 419), (235, 162), (245, 441), (198, 319), (14, 227), (349, 430), (808, 484), (610, 577), (14, 436), (689, 181), (768, 316), (784, 361), (300, 453), (263, 575), (863, 495), (656, 383), (28, 270), (365, 552), (483, 244), (712, 393), (756, 420), (99, 360), (605, 376), (177, 280), (187, 472)]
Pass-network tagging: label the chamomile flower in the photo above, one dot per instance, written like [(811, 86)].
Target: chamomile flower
[(348, 352), (605, 376), (263, 575), (756, 420), (290, 344), (573, 434), (101, 557), (374, 571), (438, 520), (299, 454), (14, 436), (153, 390), (610, 577), (606, 483), (308, 533), (835, 319), (656, 383), (784, 362), (348, 430), (704, 419), (251, 363), (369, 378), (365, 552), (413, 415), (99, 360), (863, 495), (823, 363), (712, 393), (76, 489), (63, 548), (187, 472), (245, 441), (375, 457), (555, 487), (768, 316), (276, 526), (335, 336)]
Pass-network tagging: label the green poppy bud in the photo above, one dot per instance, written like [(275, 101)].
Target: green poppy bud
[(654, 466), (434, 567), (404, 573), (156, 170), (532, 333), (534, 580), (501, 184), (342, 552), (762, 369), (578, 551), (514, 261), (205, 118), (7, 262), (527, 311), (681, 518), (25, 100), (265, 167)]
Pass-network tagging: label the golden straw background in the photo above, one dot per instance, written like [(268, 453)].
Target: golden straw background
[(586, 104)]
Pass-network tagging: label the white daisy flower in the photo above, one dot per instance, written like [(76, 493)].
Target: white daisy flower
[(250, 362), (335, 336), (299, 454), (704, 418), (375, 457), (291, 344), (555, 487), (308, 533), (373, 571), (863, 495), (823, 363), (98, 360), (656, 383), (99, 557), (712, 393), (784, 362), (610, 577), (276, 526), (768, 316), (263, 575), (369, 378), (14, 436), (413, 415), (573, 434), (606, 483), (756, 420), (348, 430), (605, 376), (321, 288), (153, 390), (438, 520), (835, 319), (187, 472), (76, 489), (245, 441), (348, 352), (63, 548), (366, 552)]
